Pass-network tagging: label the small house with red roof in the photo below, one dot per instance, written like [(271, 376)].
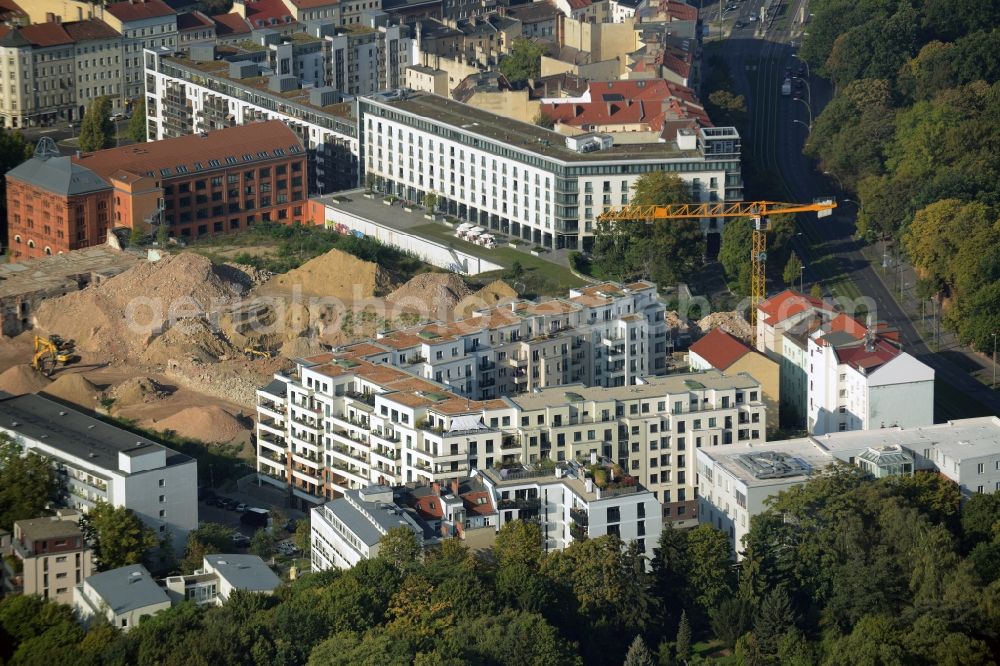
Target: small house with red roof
[(721, 351), (859, 379)]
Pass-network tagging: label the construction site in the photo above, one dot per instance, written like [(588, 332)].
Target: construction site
[(173, 342)]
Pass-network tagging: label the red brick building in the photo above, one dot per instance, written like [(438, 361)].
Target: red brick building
[(54, 205), (202, 184), (209, 183)]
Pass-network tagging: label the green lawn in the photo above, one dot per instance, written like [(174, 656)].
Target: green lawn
[(540, 277)]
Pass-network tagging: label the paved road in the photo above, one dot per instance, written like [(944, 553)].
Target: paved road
[(757, 64)]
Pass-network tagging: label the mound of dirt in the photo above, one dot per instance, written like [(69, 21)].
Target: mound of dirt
[(336, 274), (136, 390), (188, 339), (494, 293), (21, 379), (74, 388), (207, 424), (117, 317), (432, 295), (730, 322)]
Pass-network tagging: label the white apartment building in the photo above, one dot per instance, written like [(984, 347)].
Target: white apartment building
[(344, 420), (735, 482), (185, 96), (125, 596), (521, 179), (861, 381), (569, 504), (348, 530), (143, 24), (220, 575), (101, 462)]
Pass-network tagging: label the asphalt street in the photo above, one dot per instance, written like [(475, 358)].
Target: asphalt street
[(777, 130)]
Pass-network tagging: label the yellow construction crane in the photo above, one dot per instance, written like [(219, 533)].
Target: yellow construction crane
[(50, 352), (756, 211)]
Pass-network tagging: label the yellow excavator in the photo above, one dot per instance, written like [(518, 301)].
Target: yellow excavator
[(50, 352), (255, 348)]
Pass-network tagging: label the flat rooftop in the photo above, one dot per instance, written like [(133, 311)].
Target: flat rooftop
[(959, 439), (75, 433), (219, 69), (59, 272), (804, 453), (655, 387), (525, 136)]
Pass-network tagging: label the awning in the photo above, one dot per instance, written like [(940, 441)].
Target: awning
[(469, 422)]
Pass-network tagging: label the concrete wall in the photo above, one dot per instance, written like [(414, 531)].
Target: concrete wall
[(512, 104), (432, 252), (765, 371)]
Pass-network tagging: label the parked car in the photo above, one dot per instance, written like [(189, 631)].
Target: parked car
[(240, 539), (241, 507), (214, 501), (255, 517), (290, 525)]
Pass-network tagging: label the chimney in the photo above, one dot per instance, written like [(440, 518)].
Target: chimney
[(454, 487), (436, 489)]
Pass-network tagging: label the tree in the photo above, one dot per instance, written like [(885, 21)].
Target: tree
[(162, 234), (97, 131), (303, 535), (137, 123), (658, 188), (734, 254), (523, 62), (981, 518), (208, 539), (793, 271), (774, 619), (682, 646), (710, 566), (119, 537), (262, 544), (730, 620), (401, 548), (136, 235), (544, 120), (816, 291), (28, 483), (430, 202), (638, 654), (13, 150)]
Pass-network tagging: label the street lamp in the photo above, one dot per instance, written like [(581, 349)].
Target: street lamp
[(808, 127), (836, 178), (802, 281), (808, 108), (994, 384)]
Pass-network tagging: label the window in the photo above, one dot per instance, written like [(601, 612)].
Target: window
[(163, 498), (614, 514)]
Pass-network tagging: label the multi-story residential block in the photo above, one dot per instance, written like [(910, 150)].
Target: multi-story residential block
[(521, 179), (208, 183), (860, 380), (719, 350), (55, 205), (620, 10), (100, 462), (39, 81), (784, 322), (370, 58), (572, 502), (344, 420), (194, 28), (186, 97), (220, 575), (47, 557), (143, 24), (125, 596), (735, 482), (350, 529), (538, 19)]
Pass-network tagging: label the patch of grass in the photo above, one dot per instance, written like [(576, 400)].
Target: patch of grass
[(540, 277)]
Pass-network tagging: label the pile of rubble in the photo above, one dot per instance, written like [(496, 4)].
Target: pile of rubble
[(731, 322)]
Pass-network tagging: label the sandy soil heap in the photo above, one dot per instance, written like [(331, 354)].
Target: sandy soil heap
[(730, 322), (188, 339), (493, 294), (336, 274), (22, 379), (118, 317), (432, 295), (74, 387), (208, 424), (137, 390)]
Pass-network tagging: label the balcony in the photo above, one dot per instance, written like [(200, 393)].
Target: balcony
[(579, 517), (485, 366), (526, 503), (386, 435), (275, 458), (367, 398), (517, 361), (509, 442), (578, 532)]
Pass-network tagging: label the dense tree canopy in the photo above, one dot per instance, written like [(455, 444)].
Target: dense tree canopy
[(28, 483), (97, 131), (523, 62), (119, 537), (912, 130)]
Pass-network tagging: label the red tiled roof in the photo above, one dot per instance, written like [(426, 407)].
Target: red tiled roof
[(230, 24), (429, 507), (858, 356), (193, 21), (185, 150), (137, 10), (46, 34), (845, 324), (678, 11), (652, 102), (579, 4), (82, 31), (10, 9), (472, 505), (787, 304), (268, 13), (720, 349)]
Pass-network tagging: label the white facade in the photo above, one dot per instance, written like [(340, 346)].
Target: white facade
[(125, 596), (887, 388), (102, 462), (521, 179), (569, 507), (348, 530)]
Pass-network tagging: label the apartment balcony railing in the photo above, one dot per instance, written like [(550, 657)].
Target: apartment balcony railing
[(578, 532), (367, 398), (579, 517), (529, 503), (509, 443)]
